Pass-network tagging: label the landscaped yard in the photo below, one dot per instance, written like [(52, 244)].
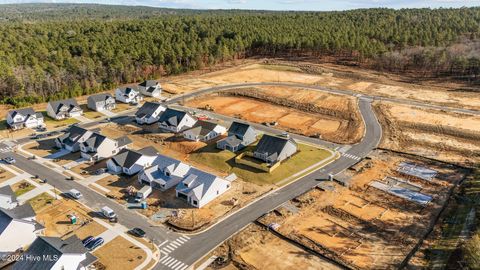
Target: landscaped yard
[(91, 114), (52, 123), (41, 201), (22, 187), (224, 161)]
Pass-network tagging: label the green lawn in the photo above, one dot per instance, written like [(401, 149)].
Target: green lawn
[(41, 201), (90, 114), (52, 123), (3, 125), (23, 187), (224, 161)]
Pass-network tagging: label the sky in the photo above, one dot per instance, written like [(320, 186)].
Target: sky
[(316, 5)]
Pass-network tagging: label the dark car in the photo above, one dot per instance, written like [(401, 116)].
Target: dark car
[(138, 232), (95, 243), (87, 240)]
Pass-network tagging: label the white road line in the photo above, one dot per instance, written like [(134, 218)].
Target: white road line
[(174, 244), (175, 265), (172, 263), (177, 242), (184, 237), (163, 243), (163, 259), (167, 249), (184, 267), (180, 266), (168, 261), (181, 241)]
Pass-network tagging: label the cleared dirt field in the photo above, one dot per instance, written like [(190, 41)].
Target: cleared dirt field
[(452, 137), (330, 127), (120, 254), (363, 227), (256, 248)]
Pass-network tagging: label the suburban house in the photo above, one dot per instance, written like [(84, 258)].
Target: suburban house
[(24, 118), (149, 113), (166, 173), (239, 136), (150, 88), (204, 131), (72, 138), (127, 95), (62, 109), (175, 121), (55, 253), (99, 147), (273, 149), (131, 162), (199, 188), (101, 102), (18, 228), (8, 200)]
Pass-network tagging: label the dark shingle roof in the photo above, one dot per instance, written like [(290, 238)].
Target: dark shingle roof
[(149, 83), (95, 140), (100, 97), (202, 127), (53, 246), (71, 103), (272, 145), (20, 212), (238, 129), (148, 108), (122, 141), (126, 158), (172, 117), (7, 190), (127, 90), (25, 111)]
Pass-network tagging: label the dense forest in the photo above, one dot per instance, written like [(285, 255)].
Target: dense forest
[(55, 51)]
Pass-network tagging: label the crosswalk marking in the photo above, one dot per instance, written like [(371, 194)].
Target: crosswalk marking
[(170, 259), (167, 249), (351, 156), (176, 264), (173, 263), (183, 268), (185, 237), (5, 149), (163, 259), (181, 241), (175, 244)]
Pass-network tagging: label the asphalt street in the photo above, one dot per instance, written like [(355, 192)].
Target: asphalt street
[(200, 244)]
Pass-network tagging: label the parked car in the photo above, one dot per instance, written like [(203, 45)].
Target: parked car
[(9, 160), (75, 194), (87, 240), (95, 243), (108, 212), (138, 232)]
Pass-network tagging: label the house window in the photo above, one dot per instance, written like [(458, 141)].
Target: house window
[(167, 173), (195, 202), (228, 186), (218, 192)]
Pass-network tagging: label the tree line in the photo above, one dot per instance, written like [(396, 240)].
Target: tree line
[(43, 58)]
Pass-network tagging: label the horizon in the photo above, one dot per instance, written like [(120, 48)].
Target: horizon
[(268, 5)]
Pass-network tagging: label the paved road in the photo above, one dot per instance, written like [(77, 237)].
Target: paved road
[(184, 253)]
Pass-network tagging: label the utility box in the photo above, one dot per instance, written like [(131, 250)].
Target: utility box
[(143, 205), (73, 219)]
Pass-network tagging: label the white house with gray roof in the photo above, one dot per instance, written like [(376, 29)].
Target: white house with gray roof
[(175, 120), (150, 88), (72, 138), (18, 228), (127, 95), (24, 118), (64, 254), (101, 102), (8, 200), (204, 131), (149, 113), (131, 162), (99, 147), (273, 149), (165, 173), (199, 188), (62, 109), (240, 135)]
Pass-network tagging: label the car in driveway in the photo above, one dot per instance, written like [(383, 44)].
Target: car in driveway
[(137, 232), (87, 240), (95, 243), (9, 160)]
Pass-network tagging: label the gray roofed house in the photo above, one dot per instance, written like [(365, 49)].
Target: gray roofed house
[(131, 162), (150, 88), (24, 118), (240, 135), (61, 109), (204, 131), (8, 200), (15, 220), (165, 173), (65, 253), (273, 149), (149, 113), (101, 102), (72, 138), (128, 95), (176, 120)]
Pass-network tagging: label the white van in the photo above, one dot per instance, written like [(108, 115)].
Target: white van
[(108, 212), (74, 194), (143, 193)]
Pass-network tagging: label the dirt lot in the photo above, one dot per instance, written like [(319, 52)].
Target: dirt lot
[(452, 137), (363, 227), (5, 175), (256, 248), (120, 254), (41, 148), (335, 118)]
